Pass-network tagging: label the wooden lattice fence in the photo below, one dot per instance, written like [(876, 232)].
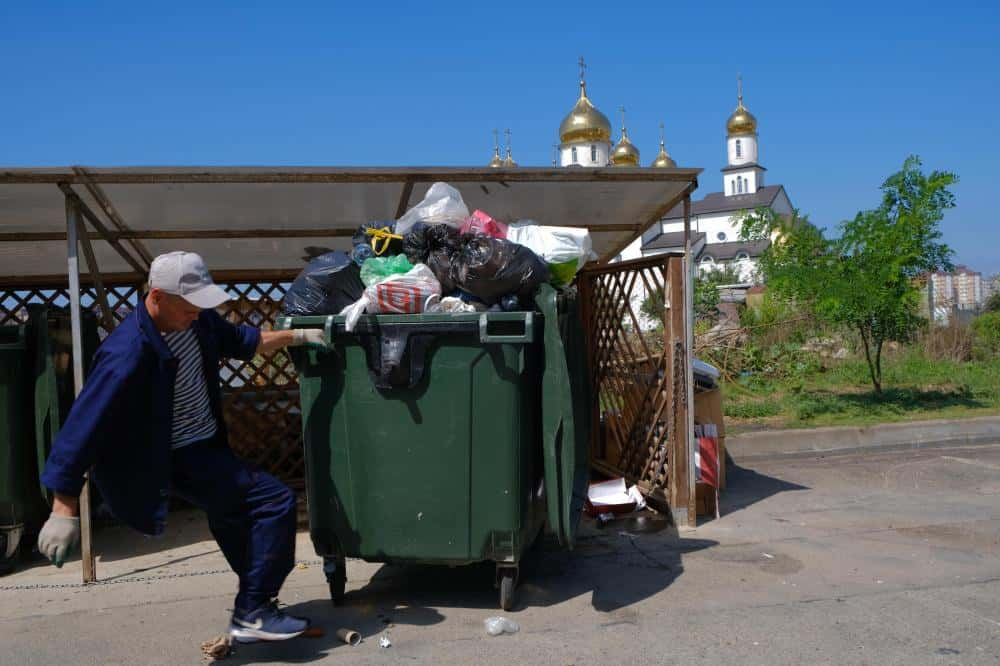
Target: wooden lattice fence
[(634, 316), (260, 397)]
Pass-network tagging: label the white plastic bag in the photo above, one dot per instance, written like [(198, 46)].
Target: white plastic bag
[(408, 293), (442, 204), (565, 249), (500, 625), (448, 305)]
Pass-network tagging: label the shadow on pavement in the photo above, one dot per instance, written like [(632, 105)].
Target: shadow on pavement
[(629, 560), (745, 487)]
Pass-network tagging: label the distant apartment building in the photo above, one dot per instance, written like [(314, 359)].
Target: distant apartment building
[(961, 290), (968, 289), (944, 289), (991, 285)]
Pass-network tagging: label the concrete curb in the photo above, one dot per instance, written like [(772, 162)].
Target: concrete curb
[(884, 437)]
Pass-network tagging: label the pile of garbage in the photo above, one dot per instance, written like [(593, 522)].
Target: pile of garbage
[(439, 258)]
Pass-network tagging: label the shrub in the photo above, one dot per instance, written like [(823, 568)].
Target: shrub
[(986, 336)]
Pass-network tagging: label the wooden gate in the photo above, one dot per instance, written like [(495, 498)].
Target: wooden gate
[(636, 326)]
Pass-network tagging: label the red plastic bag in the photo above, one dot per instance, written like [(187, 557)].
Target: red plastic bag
[(481, 223)]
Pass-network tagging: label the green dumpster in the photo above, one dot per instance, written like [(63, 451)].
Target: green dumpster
[(36, 391), (51, 349), (16, 486), (444, 439)]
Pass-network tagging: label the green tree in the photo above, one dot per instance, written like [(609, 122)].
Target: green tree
[(865, 279), (992, 303), (706, 294), (986, 336)]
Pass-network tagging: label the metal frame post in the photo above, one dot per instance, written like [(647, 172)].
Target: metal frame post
[(73, 263)]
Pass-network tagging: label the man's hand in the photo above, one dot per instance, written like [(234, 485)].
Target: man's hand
[(58, 537), (308, 336), (274, 340)]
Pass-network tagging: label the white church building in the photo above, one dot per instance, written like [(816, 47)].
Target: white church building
[(585, 141), (715, 218)]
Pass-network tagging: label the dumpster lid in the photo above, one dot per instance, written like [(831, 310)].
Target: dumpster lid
[(264, 218)]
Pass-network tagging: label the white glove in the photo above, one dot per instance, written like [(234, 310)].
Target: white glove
[(58, 537), (308, 336)]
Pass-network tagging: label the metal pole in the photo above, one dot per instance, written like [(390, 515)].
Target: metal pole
[(689, 359), (72, 221)]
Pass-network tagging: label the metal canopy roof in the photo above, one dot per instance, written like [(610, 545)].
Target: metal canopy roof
[(262, 218)]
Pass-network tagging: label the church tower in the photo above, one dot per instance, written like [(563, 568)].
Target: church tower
[(585, 133), (743, 174)]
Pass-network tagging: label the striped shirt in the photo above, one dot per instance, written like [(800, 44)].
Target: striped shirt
[(193, 418)]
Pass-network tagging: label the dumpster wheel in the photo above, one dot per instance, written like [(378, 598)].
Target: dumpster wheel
[(335, 569), (508, 587)]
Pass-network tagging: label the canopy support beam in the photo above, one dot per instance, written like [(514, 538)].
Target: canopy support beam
[(95, 275), (88, 214), (109, 209)]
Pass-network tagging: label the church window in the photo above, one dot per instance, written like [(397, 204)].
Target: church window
[(739, 148), (741, 256), (739, 184), (721, 236), (593, 153), (707, 259), (575, 160)]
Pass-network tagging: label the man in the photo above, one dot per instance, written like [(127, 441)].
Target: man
[(149, 419)]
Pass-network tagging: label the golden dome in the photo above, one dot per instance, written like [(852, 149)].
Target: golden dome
[(509, 160), (742, 121), (624, 153), (663, 159), (496, 162), (584, 122)]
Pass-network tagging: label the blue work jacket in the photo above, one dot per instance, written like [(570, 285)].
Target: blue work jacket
[(121, 422)]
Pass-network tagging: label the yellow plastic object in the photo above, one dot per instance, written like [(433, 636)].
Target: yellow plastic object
[(381, 239)]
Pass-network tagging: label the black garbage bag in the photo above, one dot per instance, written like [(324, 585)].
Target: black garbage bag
[(327, 285), (434, 245), (492, 268), (382, 247)]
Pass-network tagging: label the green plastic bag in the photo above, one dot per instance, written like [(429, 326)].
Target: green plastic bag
[(377, 269)]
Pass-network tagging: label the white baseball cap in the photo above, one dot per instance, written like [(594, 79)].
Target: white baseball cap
[(184, 274)]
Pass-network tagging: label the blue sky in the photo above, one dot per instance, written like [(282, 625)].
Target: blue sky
[(843, 93)]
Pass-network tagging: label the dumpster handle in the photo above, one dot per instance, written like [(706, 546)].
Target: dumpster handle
[(525, 337), (328, 330)]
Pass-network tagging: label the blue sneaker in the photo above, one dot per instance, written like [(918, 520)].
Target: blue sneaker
[(266, 623)]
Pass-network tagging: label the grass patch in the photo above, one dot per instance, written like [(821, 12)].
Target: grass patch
[(752, 409), (915, 388)]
